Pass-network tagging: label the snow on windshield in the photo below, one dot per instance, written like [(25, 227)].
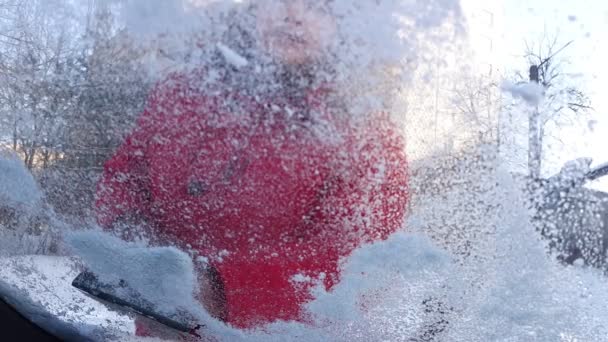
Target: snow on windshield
[(18, 187), (337, 170)]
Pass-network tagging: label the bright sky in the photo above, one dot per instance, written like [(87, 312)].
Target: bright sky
[(585, 22)]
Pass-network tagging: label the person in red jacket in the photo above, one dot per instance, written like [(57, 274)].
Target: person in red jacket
[(260, 169)]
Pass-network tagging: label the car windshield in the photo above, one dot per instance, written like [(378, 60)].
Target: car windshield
[(316, 170)]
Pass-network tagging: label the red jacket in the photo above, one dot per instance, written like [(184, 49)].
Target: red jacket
[(264, 193)]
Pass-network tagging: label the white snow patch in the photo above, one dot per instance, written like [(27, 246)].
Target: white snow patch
[(591, 125), (301, 278), (600, 166), (575, 170), (17, 185), (231, 56), (531, 92), (40, 288), (532, 297), (379, 298), (153, 17), (383, 266), (163, 275)]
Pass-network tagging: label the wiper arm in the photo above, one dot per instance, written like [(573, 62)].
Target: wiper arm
[(598, 172)]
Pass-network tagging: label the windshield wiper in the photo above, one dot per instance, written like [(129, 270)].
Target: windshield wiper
[(597, 172)]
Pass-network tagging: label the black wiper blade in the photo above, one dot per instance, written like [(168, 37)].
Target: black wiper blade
[(598, 172), (123, 296)]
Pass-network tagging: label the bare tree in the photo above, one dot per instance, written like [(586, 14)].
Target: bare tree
[(564, 101), (33, 82), (109, 87), (476, 107), (68, 93)]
